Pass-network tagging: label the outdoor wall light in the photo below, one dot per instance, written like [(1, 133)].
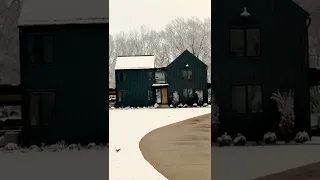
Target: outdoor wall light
[(187, 65), (245, 13)]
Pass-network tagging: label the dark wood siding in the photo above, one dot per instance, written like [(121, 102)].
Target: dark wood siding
[(281, 65), (136, 86), (78, 75), (198, 80)]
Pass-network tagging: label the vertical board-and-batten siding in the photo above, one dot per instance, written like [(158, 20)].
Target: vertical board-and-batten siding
[(136, 86), (281, 65), (198, 80), (79, 77)]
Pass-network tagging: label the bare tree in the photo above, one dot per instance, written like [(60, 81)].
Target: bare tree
[(179, 35), (192, 34)]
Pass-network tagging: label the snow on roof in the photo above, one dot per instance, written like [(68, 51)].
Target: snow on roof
[(49, 12), (135, 62), (159, 85)]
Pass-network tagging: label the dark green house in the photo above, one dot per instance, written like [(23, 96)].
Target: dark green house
[(139, 83), (64, 70), (134, 80), (186, 75), (258, 48)]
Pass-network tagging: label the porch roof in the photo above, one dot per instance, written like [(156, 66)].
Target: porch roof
[(159, 85)]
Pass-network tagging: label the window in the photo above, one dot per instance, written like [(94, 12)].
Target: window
[(40, 48), (121, 95), (186, 74), (122, 77), (245, 42), (150, 74), (150, 95), (41, 108), (255, 99), (160, 77), (247, 99), (158, 96), (239, 99), (187, 93)]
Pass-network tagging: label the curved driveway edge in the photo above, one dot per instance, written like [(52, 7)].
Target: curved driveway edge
[(180, 151), (128, 127)]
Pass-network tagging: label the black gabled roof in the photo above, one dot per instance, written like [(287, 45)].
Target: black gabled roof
[(300, 8), (59, 12), (187, 52)]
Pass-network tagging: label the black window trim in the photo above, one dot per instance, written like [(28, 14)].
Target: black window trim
[(27, 35), (188, 70), (247, 109), (39, 91), (245, 43)]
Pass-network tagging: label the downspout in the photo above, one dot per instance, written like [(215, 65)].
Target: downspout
[(308, 74), (307, 40)]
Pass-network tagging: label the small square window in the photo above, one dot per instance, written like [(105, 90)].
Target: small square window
[(186, 74)]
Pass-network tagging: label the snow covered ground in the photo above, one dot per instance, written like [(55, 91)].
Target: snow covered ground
[(65, 165), (127, 128), (246, 163)]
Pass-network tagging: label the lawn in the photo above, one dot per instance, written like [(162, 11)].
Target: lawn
[(128, 127), (180, 151)]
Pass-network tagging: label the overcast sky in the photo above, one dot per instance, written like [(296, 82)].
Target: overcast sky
[(126, 15)]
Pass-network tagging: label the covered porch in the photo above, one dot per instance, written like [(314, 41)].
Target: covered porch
[(160, 92)]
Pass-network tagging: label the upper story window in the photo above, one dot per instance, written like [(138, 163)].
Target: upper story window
[(150, 75), (160, 76), (122, 77), (40, 48), (245, 42), (186, 74)]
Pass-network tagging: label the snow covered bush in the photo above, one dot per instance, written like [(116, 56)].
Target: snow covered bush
[(91, 145), (240, 140), (175, 100), (1, 141), (180, 105), (59, 146), (302, 137), (74, 147), (171, 106), (205, 105), (224, 140), (156, 105), (200, 97), (185, 105), (11, 147), (35, 148), (285, 104), (270, 138), (195, 105)]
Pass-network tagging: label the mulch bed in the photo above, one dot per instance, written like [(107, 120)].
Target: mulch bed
[(181, 151)]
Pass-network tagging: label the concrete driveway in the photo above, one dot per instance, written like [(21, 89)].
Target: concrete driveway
[(250, 162)]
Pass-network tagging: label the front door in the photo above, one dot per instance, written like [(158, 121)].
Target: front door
[(164, 95)]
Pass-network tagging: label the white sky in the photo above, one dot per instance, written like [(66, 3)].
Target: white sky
[(126, 15)]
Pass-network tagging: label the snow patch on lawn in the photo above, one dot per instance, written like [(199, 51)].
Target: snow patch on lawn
[(128, 127)]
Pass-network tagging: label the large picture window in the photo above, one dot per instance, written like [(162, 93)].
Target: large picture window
[(245, 42)]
